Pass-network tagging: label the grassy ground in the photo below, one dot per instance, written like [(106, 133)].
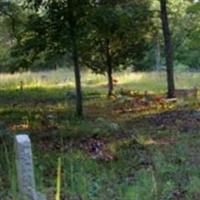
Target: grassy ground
[(123, 149)]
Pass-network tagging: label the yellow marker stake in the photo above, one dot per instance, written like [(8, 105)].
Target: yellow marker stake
[(58, 180)]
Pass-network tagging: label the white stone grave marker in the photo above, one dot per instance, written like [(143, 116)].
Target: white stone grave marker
[(25, 170)]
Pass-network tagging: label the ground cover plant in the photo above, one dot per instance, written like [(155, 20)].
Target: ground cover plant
[(134, 145)]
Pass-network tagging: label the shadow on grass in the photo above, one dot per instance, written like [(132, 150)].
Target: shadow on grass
[(32, 95), (44, 95)]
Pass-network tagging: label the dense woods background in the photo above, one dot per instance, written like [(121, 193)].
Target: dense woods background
[(35, 36)]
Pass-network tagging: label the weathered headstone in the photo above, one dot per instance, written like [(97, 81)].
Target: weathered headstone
[(25, 171)]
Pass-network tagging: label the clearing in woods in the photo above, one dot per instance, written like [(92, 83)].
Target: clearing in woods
[(135, 145)]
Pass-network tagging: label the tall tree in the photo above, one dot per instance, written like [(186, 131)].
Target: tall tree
[(65, 30), (168, 48), (67, 33), (118, 30)]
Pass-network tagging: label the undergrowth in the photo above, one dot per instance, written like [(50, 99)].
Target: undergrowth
[(148, 154)]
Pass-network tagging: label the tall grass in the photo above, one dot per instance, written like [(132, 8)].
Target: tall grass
[(8, 168), (153, 81)]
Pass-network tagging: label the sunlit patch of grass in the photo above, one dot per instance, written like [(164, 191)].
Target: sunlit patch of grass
[(142, 81), (37, 79)]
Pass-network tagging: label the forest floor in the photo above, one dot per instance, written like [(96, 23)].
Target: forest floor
[(134, 146)]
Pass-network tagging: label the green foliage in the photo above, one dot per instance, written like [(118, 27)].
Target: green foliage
[(12, 19), (143, 188), (47, 34), (37, 36), (105, 127), (184, 26), (48, 31), (33, 41), (119, 31), (186, 35)]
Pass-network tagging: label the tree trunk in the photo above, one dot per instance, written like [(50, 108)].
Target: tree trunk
[(109, 68), (168, 48), (75, 57), (79, 106)]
